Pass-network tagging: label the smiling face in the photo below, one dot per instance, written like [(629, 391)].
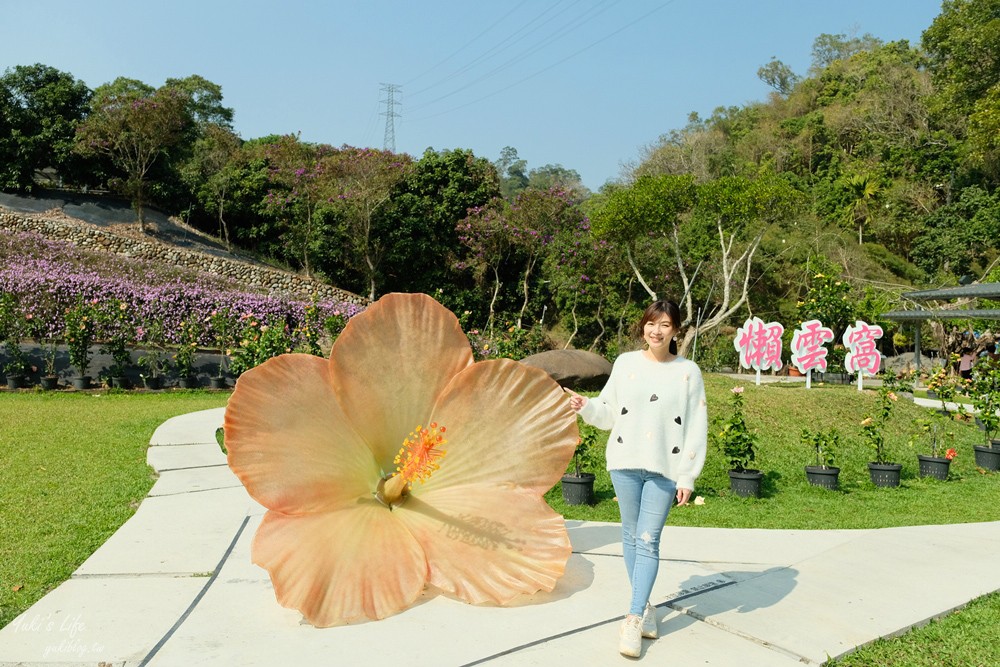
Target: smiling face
[(658, 332)]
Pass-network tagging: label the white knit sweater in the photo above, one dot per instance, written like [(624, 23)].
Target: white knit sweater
[(657, 416)]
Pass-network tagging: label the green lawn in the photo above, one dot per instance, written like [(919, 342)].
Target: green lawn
[(72, 470)]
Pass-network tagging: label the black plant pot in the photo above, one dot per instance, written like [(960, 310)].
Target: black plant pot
[(745, 483), (218, 383), (578, 490), (188, 383), (82, 382), (884, 474), (987, 458), (120, 382), (49, 382), (153, 383), (823, 477), (934, 466), (15, 381)]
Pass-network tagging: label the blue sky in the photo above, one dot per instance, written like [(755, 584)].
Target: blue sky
[(582, 83)]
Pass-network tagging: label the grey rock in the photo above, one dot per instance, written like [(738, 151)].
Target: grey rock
[(575, 369)]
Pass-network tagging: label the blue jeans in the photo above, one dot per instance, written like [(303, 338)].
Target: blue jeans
[(644, 499)]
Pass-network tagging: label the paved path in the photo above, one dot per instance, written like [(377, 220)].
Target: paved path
[(175, 586)]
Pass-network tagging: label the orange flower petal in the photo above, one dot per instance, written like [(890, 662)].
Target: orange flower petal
[(487, 544), (289, 442), (507, 423), (341, 566), (390, 364)]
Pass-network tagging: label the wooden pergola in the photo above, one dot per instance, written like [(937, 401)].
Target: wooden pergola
[(917, 316)]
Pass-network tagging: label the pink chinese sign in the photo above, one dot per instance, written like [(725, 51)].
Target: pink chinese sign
[(759, 345), (863, 356), (807, 348)]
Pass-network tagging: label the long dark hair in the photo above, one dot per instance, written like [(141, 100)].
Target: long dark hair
[(655, 311)]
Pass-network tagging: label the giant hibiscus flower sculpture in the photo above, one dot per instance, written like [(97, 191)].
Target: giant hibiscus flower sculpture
[(401, 463)]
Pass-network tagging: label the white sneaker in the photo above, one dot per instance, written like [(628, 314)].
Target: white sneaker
[(649, 628), (630, 637)]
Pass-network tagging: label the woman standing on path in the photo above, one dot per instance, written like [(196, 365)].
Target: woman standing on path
[(654, 405)]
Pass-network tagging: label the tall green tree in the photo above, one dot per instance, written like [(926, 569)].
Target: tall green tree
[(513, 172), (212, 170), (963, 47), (133, 125), (535, 217), (302, 190), (40, 108), (419, 225), (363, 179), (643, 214)]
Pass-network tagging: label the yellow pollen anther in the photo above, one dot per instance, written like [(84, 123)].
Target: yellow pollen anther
[(420, 454)]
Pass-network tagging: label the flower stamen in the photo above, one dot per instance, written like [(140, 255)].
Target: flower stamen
[(420, 454)]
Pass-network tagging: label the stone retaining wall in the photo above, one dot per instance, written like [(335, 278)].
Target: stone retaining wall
[(254, 277)]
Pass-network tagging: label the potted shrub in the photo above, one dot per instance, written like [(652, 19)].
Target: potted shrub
[(118, 337), (943, 388), (882, 470), (985, 394), (79, 325), (739, 446), (50, 380), (220, 324), (10, 333), (153, 360), (155, 364), (577, 486), (934, 465), (824, 445), (17, 366), (184, 356)]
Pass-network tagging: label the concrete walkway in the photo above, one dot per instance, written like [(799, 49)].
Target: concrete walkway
[(175, 586)]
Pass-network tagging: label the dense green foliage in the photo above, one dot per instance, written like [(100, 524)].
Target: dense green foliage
[(878, 167)]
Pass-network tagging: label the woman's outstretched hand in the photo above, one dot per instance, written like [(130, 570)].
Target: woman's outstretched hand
[(576, 401)]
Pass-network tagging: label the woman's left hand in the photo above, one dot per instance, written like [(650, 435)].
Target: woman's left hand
[(683, 496)]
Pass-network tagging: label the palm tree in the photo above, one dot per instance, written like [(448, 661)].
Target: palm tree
[(864, 189)]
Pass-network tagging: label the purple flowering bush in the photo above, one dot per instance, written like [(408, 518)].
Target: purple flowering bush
[(135, 299)]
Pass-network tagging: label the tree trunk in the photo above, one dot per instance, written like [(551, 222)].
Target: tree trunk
[(600, 322), (524, 285), (635, 269), (493, 300), (729, 268), (576, 325)]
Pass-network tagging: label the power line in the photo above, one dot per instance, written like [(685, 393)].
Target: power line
[(555, 64), (467, 44), (546, 41), (498, 47)]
